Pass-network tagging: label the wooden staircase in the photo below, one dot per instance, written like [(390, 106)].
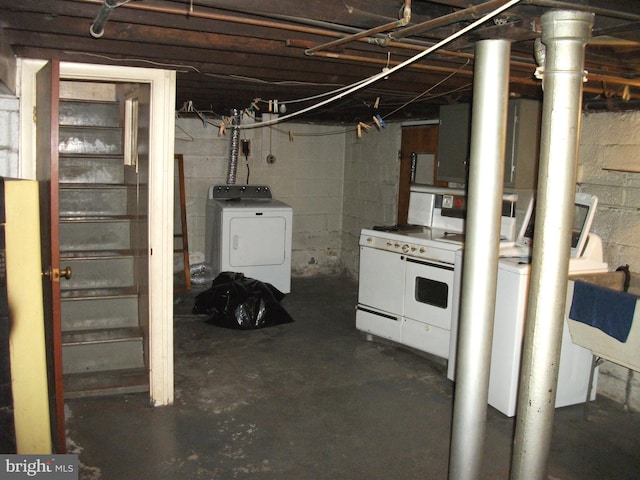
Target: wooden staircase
[(103, 340)]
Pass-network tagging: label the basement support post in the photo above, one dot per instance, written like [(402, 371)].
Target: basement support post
[(480, 268), (564, 34)]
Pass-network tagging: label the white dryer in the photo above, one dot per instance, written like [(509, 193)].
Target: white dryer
[(249, 232)]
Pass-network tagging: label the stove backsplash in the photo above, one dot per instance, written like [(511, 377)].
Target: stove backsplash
[(446, 208)]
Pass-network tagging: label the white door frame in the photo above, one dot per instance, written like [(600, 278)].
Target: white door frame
[(161, 165)]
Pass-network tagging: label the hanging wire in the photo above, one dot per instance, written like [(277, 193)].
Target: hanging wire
[(417, 97), (338, 93), (374, 78), (342, 92)]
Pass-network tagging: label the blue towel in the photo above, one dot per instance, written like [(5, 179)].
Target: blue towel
[(608, 310)]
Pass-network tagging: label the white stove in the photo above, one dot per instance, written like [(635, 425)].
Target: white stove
[(406, 279)]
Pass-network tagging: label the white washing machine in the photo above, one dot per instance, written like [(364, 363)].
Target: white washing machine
[(512, 289), (249, 232)]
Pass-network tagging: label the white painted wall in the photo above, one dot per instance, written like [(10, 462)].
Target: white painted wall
[(605, 137)]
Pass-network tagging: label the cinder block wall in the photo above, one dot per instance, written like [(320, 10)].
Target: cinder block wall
[(307, 174), (604, 137), (9, 135), (371, 175)]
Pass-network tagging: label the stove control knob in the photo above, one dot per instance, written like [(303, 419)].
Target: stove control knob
[(413, 249), (421, 250), (389, 244), (397, 245), (369, 239), (405, 248)]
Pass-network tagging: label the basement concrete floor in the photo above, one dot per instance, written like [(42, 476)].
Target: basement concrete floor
[(314, 400)]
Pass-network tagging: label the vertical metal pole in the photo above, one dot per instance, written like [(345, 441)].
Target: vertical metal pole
[(235, 147), (564, 33), (480, 264)]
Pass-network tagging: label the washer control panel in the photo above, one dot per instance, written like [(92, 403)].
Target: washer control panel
[(239, 192)]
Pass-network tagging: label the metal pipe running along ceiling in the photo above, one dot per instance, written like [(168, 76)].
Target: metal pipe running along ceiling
[(338, 32)]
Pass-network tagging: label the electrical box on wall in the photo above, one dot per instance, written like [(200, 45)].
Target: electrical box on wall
[(521, 149), (245, 147)]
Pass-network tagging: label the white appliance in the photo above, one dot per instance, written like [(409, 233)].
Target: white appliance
[(249, 232), (406, 278), (511, 308), (405, 292), (584, 210)]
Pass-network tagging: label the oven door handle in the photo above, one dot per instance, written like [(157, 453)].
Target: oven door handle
[(442, 266)]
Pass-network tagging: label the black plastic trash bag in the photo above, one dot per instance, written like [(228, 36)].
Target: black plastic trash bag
[(242, 303)]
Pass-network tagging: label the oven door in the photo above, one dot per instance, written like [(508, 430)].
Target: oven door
[(381, 280), (429, 292), (380, 293)]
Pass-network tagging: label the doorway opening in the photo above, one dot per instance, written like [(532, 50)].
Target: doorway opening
[(103, 213), (419, 149), (153, 192)]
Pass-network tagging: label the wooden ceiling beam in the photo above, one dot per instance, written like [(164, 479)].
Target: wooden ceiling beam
[(228, 52)]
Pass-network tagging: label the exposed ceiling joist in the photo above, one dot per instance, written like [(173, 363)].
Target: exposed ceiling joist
[(227, 54)]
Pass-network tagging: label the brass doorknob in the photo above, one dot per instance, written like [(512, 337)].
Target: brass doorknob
[(55, 273)]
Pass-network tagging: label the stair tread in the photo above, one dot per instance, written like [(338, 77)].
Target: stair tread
[(109, 382), (92, 254), (95, 156), (67, 126), (96, 218), (100, 335), (88, 101), (86, 293), (91, 186)]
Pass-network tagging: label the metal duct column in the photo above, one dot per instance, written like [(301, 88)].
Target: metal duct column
[(480, 266), (565, 34), (235, 147), (97, 27)]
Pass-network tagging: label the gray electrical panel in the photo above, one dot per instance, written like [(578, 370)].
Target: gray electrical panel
[(521, 148)]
